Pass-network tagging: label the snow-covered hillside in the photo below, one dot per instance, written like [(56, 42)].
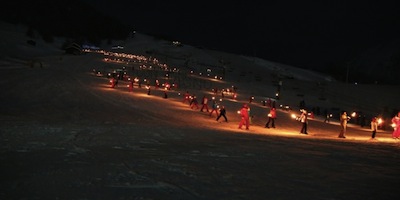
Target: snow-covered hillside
[(66, 134)]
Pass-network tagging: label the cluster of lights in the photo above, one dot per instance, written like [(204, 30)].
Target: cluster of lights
[(166, 86), (145, 67), (121, 57), (285, 107), (128, 57), (208, 74), (176, 43), (125, 57), (213, 98)]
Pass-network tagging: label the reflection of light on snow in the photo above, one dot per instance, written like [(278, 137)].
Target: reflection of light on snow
[(145, 95)]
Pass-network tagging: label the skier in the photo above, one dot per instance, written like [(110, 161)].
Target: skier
[(222, 112), (304, 121), (244, 114), (374, 127), (194, 103), (204, 102), (271, 118), (214, 108), (186, 97)]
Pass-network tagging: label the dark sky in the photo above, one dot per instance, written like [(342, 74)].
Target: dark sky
[(308, 34)]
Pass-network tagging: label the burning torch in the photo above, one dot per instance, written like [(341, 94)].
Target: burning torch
[(148, 89), (297, 118), (251, 99)]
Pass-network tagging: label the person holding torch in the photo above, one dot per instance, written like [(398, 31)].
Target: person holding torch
[(396, 126), (222, 112), (374, 127), (304, 121), (214, 108), (244, 114), (344, 118), (271, 118)]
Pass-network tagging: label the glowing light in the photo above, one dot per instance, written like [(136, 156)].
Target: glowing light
[(353, 114), (380, 121), (294, 116)]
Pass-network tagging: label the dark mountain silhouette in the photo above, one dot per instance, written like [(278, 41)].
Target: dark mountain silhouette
[(374, 60), (68, 18)]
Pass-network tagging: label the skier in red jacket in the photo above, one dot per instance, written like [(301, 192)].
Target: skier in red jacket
[(244, 114)]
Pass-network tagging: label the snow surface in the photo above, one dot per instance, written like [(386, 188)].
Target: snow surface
[(65, 134)]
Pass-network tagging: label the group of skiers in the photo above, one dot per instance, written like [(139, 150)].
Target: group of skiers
[(245, 115), (344, 118), (218, 110)]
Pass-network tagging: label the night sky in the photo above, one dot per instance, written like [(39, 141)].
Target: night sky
[(309, 34)]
